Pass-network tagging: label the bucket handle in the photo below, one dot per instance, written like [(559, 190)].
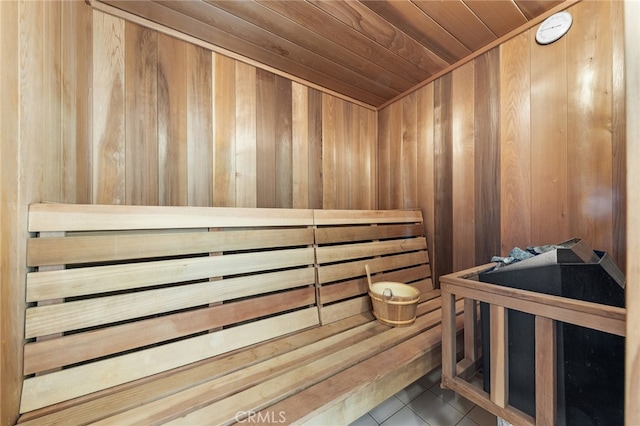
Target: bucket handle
[(387, 293), (366, 268)]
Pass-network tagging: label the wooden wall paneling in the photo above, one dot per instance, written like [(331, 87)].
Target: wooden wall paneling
[(315, 188), (632, 129), (487, 156), (283, 140), (329, 137), (13, 215), (199, 126), (443, 157), (51, 136), (618, 138), (515, 143), (384, 165), (589, 156), (426, 166), (462, 184), (172, 122), (395, 155), (368, 158), (246, 160), (77, 60), (224, 122), (300, 145), (337, 154), (409, 163), (108, 110), (265, 138), (549, 142), (32, 94), (141, 115), (351, 156)]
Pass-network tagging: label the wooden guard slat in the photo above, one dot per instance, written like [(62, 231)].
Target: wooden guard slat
[(67, 217)]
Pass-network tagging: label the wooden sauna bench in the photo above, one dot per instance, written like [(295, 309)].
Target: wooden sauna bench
[(189, 315), (547, 309)]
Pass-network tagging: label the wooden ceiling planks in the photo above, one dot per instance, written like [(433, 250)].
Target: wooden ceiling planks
[(371, 51)]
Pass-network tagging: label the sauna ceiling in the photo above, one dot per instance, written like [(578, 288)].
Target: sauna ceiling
[(370, 51)]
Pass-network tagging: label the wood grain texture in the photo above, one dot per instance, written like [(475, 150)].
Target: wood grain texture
[(425, 164), (141, 115), (589, 144), (463, 167), (224, 119), (200, 126), (632, 128), (515, 143), (545, 364), (487, 155), (443, 175), (109, 110), (172, 122), (266, 139), (246, 161), (618, 135), (549, 142), (11, 218)]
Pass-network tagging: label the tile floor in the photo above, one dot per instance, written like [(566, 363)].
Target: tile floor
[(423, 403)]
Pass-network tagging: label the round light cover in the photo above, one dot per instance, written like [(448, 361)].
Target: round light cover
[(554, 27)]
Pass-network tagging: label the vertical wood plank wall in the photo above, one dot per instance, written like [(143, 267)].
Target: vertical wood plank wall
[(99, 110), (523, 145), (526, 146)]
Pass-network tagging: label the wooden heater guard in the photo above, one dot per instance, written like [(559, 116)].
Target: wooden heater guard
[(547, 310)]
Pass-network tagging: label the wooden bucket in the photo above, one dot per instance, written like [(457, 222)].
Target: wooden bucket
[(393, 303)]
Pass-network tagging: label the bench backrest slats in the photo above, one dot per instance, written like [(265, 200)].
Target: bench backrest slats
[(88, 217), (123, 285), (84, 248), (120, 293), (50, 354), (130, 276), (392, 243)]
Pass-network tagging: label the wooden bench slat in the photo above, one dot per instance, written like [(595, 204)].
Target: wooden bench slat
[(100, 248), (75, 348), (100, 405), (92, 217), (37, 391), (284, 385), (339, 400), (333, 253), (361, 233), (217, 389), (347, 217), (76, 282)]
